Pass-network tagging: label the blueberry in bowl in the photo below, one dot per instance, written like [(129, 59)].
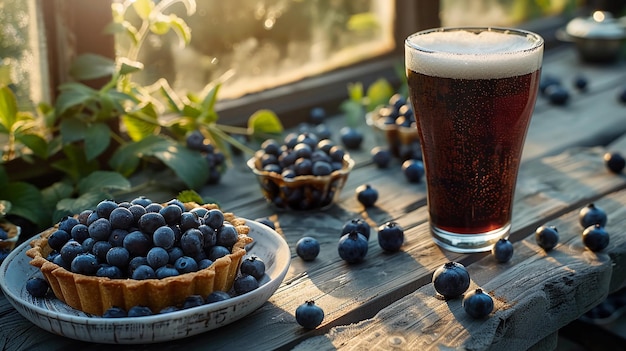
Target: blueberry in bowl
[(301, 172)]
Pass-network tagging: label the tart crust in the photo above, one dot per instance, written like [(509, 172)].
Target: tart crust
[(95, 295)]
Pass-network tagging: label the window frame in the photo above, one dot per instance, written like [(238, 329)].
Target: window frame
[(69, 35)]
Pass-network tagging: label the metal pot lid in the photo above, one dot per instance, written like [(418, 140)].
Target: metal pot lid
[(600, 25)]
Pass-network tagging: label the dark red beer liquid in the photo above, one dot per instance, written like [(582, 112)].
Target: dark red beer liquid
[(472, 133)]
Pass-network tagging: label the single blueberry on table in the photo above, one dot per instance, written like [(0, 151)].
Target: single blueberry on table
[(366, 195), (352, 247), (596, 238), (351, 137), (390, 236), (592, 214), (245, 283), (307, 248), (358, 224), (317, 115), (381, 156), (309, 315), (557, 94), (614, 162), (478, 304), (547, 237), (502, 250), (413, 170), (37, 286), (451, 280), (253, 266)]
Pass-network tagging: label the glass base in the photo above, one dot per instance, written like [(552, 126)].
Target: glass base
[(468, 243)]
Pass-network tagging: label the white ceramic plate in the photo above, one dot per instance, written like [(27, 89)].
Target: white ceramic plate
[(55, 316)]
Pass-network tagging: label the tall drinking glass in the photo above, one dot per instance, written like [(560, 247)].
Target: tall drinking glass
[(473, 91)]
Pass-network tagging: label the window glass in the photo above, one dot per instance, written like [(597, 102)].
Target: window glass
[(263, 44), (21, 66), (500, 12)]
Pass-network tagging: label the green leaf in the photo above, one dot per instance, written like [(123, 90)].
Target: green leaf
[(378, 93), (55, 192), (36, 143), (91, 66), (24, 198), (353, 112), (72, 129), (72, 95), (128, 66), (8, 108), (141, 123), (71, 206), (265, 121), (97, 139), (181, 28), (143, 8), (208, 103), (172, 99), (190, 196), (75, 164), (364, 21), (103, 182), (355, 92)]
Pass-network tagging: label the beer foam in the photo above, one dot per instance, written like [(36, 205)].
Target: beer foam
[(463, 54)]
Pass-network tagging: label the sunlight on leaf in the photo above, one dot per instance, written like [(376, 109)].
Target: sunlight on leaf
[(143, 8), (265, 122), (91, 66), (8, 108)]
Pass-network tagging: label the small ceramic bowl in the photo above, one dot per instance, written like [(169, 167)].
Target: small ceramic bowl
[(598, 38), (403, 141), (305, 192)]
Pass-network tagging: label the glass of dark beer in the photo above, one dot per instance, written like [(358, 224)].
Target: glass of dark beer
[(473, 92)]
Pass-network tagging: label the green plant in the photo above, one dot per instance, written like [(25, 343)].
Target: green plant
[(96, 139)]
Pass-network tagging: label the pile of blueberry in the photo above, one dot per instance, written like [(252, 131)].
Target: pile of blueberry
[(286, 165), (141, 239), (215, 158), (397, 120)]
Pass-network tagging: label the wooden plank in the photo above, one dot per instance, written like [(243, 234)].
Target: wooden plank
[(536, 293)]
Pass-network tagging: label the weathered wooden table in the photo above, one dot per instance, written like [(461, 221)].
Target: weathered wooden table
[(388, 301)]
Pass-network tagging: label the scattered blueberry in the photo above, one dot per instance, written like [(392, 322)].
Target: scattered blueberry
[(381, 156), (621, 96), (413, 170), (351, 137), (353, 247), (307, 248), (614, 162), (451, 280), (547, 237), (358, 224), (547, 81), (478, 304), (266, 221), (253, 266), (309, 315), (596, 238), (3, 234), (244, 284), (317, 115), (590, 215), (37, 286), (557, 94), (366, 195), (581, 82), (390, 236), (502, 250)]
